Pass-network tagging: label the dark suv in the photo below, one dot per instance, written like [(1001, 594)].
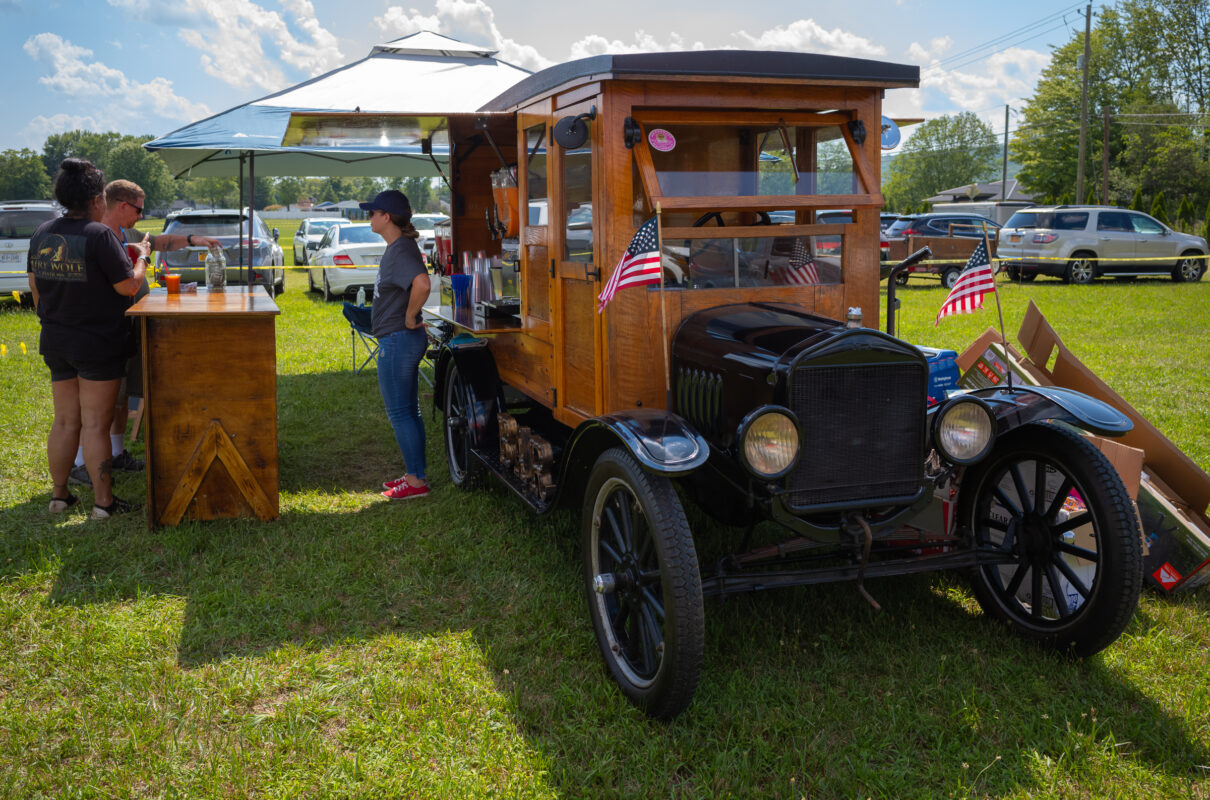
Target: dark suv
[(229, 227), (943, 224), (1080, 243)]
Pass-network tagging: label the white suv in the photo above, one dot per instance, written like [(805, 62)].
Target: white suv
[(1079, 243), (18, 221)]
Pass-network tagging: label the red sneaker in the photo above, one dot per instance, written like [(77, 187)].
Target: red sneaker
[(393, 484), (405, 491)]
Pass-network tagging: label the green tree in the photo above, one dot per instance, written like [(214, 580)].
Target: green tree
[(1159, 207), (130, 161), (1137, 203), (23, 176), (1093, 196), (218, 191), (289, 190), (92, 146), (943, 153), (1184, 214)]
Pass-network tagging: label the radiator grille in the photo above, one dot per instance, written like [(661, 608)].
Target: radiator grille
[(862, 432)]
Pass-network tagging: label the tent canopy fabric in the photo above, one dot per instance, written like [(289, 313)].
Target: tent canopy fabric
[(425, 74)]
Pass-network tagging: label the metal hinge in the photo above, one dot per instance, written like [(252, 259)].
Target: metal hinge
[(554, 397), (594, 274), (552, 268)]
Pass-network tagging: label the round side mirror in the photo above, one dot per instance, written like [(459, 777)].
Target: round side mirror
[(570, 133)]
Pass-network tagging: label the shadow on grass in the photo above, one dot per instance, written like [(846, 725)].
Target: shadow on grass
[(806, 688)]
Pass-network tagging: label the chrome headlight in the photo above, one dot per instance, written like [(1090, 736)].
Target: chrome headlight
[(769, 442), (964, 429)]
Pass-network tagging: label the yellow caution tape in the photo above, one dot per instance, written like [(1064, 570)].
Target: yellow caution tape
[(3, 349)]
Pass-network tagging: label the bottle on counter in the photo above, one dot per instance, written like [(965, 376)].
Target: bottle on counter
[(216, 270)]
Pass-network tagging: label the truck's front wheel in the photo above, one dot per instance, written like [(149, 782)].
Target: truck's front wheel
[(644, 588), (1057, 536)]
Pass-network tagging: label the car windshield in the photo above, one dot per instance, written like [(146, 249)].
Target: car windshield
[(359, 235), (214, 225), (20, 223), (320, 225), (748, 160), (426, 223)]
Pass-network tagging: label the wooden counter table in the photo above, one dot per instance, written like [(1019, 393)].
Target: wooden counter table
[(210, 385)]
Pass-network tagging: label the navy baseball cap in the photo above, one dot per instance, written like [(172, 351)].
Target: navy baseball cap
[(391, 201)]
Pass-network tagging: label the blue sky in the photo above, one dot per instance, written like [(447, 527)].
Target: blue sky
[(151, 66)]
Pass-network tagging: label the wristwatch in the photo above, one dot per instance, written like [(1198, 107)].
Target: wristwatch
[(189, 240)]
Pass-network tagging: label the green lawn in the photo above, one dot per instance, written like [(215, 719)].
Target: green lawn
[(442, 648)]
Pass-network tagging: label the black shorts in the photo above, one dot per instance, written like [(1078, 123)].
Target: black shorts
[(64, 369)]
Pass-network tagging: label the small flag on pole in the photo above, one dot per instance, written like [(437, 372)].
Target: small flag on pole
[(801, 270), (976, 281), (640, 264)]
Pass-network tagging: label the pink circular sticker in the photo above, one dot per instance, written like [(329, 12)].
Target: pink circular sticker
[(661, 140)]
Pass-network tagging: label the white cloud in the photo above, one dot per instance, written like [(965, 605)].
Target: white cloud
[(1006, 77), (110, 99), (593, 45), (806, 35), (232, 36)]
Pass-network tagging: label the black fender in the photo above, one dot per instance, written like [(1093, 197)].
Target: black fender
[(1022, 405), (662, 442), (477, 367)]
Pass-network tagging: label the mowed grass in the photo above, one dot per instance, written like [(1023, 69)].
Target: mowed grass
[(442, 648)]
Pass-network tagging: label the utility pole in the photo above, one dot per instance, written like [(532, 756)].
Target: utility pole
[(1105, 162), (1004, 166), (1084, 104)]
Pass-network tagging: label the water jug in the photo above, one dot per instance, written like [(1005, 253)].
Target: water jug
[(216, 270)]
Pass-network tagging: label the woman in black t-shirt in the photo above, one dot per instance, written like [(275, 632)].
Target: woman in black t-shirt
[(82, 281)]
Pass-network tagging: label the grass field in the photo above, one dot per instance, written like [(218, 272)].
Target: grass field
[(442, 648)]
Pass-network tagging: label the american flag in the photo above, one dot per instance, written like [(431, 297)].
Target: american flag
[(640, 264), (976, 280), (801, 270)]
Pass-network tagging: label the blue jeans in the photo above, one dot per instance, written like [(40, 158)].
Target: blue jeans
[(399, 357)]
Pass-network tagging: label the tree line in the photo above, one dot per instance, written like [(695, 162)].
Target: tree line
[(28, 175), (1149, 85)]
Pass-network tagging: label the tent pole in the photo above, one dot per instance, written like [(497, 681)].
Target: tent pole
[(251, 211), (240, 246)]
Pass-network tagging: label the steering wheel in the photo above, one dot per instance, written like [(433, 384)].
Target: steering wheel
[(763, 218)]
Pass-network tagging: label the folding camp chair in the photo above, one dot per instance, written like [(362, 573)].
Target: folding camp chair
[(359, 328)]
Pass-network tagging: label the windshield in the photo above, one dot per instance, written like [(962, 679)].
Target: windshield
[(426, 223), (20, 223), (216, 225), (721, 263), (749, 160), (319, 226), (359, 235)]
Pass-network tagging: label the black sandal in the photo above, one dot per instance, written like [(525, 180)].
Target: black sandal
[(60, 504)]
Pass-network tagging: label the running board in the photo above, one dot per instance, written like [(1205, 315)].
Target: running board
[(509, 479)]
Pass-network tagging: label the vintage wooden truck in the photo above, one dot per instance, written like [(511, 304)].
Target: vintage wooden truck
[(751, 377)]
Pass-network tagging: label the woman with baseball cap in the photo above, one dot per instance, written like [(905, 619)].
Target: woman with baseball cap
[(399, 293)]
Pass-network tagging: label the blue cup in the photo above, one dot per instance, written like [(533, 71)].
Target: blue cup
[(461, 286)]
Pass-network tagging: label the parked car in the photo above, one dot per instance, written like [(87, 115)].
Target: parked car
[(229, 227), (310, 231), (424, 224), (347, 259), (1080, 243), (18, 220), (944, 224)]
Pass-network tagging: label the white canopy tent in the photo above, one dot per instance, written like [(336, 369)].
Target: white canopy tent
[(424, 74)]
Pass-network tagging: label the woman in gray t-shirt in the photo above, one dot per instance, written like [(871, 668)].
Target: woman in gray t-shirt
[(399, 293)]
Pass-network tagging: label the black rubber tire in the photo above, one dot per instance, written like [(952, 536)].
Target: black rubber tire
[(651, 628), (901, 279), (950, 276), (327, 289), (1013, 273), (1081, 270), (1190, 268), (1093, 584), (310, 283), (466, 471)]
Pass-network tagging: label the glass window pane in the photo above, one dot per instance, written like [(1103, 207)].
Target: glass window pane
[(758, 261), (577, 204)]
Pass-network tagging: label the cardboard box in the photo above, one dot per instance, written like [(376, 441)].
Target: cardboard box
[(1172, 492)]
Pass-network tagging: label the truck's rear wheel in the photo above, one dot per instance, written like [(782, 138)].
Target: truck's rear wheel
[(1067, 568), (465, 469), (644, 588)]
